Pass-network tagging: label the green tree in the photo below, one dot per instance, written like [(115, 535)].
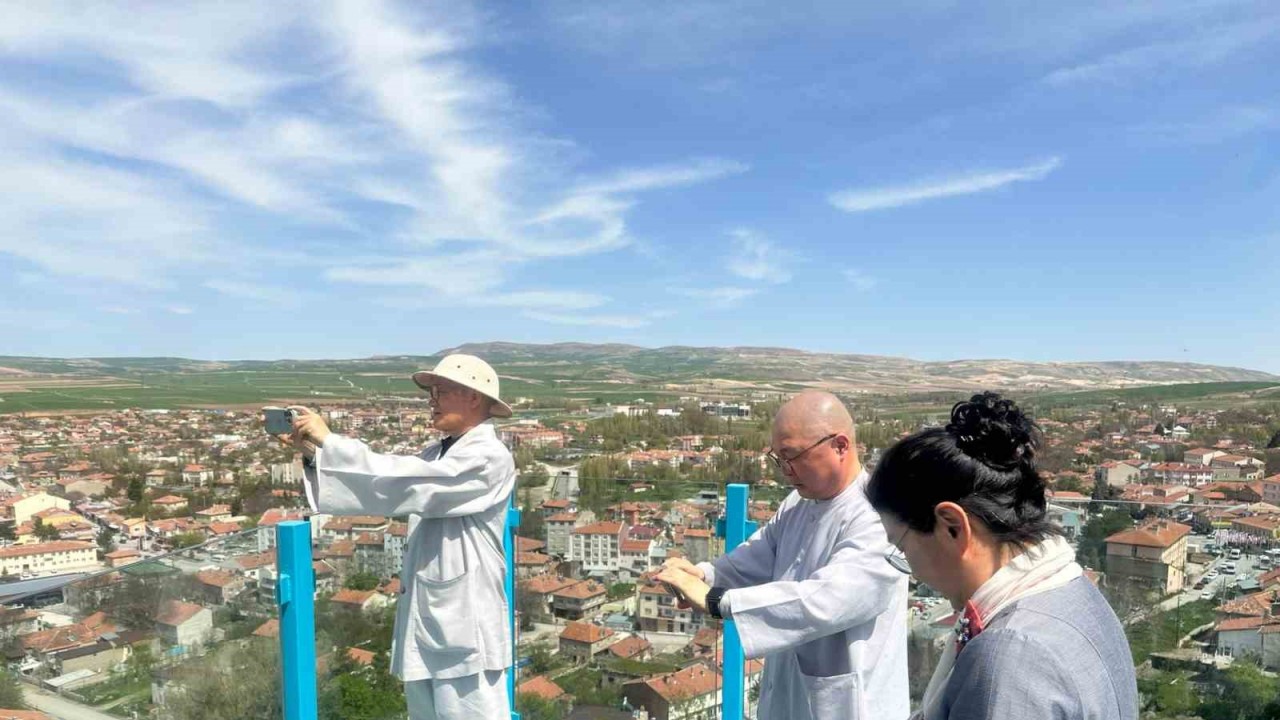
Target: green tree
[(536, 707), (233, 683), (7, 533), (11, 691), (44, 532), (1168, 693), (1092, 549), (1247, 694), (361, 581), (106, 541), (187, 539), (136, 490)]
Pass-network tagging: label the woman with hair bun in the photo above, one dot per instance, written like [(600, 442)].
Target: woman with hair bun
[(965, 510)]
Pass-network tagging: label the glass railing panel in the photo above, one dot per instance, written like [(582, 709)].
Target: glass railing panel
[(148, 633)]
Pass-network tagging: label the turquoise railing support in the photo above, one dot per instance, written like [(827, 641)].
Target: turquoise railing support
[(734, 528), (295, 596), (509, 550)]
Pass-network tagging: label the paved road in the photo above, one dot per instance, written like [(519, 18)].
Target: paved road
[(60, 707)]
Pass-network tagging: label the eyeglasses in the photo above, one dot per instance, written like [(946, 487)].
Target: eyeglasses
[(436, 391), (897, 559), (786, 463)]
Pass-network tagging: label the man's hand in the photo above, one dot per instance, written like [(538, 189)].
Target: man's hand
[(692, 589), (308, 429), (684, 566)]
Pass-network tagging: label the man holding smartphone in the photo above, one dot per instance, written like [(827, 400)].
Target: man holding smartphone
[(451, 645)]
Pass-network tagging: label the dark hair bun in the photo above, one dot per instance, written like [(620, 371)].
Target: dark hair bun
[(994, 431)]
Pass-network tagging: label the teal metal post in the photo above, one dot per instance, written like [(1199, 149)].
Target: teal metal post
[(295, 596), (735, 529), (509, 549)]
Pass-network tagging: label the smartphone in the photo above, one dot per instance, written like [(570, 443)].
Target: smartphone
[(279, 421)]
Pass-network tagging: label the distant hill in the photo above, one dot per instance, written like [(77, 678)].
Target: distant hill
[(605, 372), (787, 368)]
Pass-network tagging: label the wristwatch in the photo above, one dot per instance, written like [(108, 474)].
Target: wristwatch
[(713, 602)]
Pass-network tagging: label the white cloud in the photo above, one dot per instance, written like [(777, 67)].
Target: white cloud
[(464, 273), (120, 310), (614, 321), (180, 310), (1222, 124), (1209, 47), (558, 300), (719, 297), (663, 176), (185, 125), (86, 220), (262, 292), (757, 258), (864, 199), (860, 280)]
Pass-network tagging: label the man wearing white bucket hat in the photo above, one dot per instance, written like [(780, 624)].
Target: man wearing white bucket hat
[(451, 646)]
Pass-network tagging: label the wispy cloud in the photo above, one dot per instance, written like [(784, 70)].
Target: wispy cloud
[(865, 199), (556, 300), (180, 310), (257, 292), (663, 176), (1223, 124), (188, 123), (626, 322), (860, 280), (719, 297), (755, 257), (1205, 48)]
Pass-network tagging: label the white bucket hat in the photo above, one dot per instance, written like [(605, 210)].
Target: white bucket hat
[(468, 371)]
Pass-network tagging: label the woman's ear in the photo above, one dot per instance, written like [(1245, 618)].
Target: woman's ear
[(954, 521)]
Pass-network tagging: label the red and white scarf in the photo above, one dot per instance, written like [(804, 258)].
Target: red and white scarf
[(1045, 566)]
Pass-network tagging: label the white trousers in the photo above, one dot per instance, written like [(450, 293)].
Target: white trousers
[(474, 697)]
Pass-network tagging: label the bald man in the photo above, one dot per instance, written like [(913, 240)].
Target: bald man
[(812, 591)]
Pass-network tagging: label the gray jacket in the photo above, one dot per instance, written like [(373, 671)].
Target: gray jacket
[(1059, 655)]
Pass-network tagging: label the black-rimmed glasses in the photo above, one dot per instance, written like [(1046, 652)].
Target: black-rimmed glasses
[(896, 557), (785, 463)]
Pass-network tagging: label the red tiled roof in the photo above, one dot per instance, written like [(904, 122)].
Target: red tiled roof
[(352, 597), (43, 548), (544, 584), (1242, 623), (630, 647), (7, 714), (691, 682), (175, 613), (524, 544), (581, 590), (585, 633), (217, 578), (360, 656), (541, 686), (604, 527), (1158, 534), (269, 629)]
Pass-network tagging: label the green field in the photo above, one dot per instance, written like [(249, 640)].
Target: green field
[(549, 375), (1243, 391)]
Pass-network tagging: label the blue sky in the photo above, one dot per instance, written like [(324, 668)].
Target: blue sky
[(1085, 181)]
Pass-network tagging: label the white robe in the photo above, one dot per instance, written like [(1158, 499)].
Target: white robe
[(812, 593), (451, 619)]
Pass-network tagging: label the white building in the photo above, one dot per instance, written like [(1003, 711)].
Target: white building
[(597, 547), (52, 558)]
